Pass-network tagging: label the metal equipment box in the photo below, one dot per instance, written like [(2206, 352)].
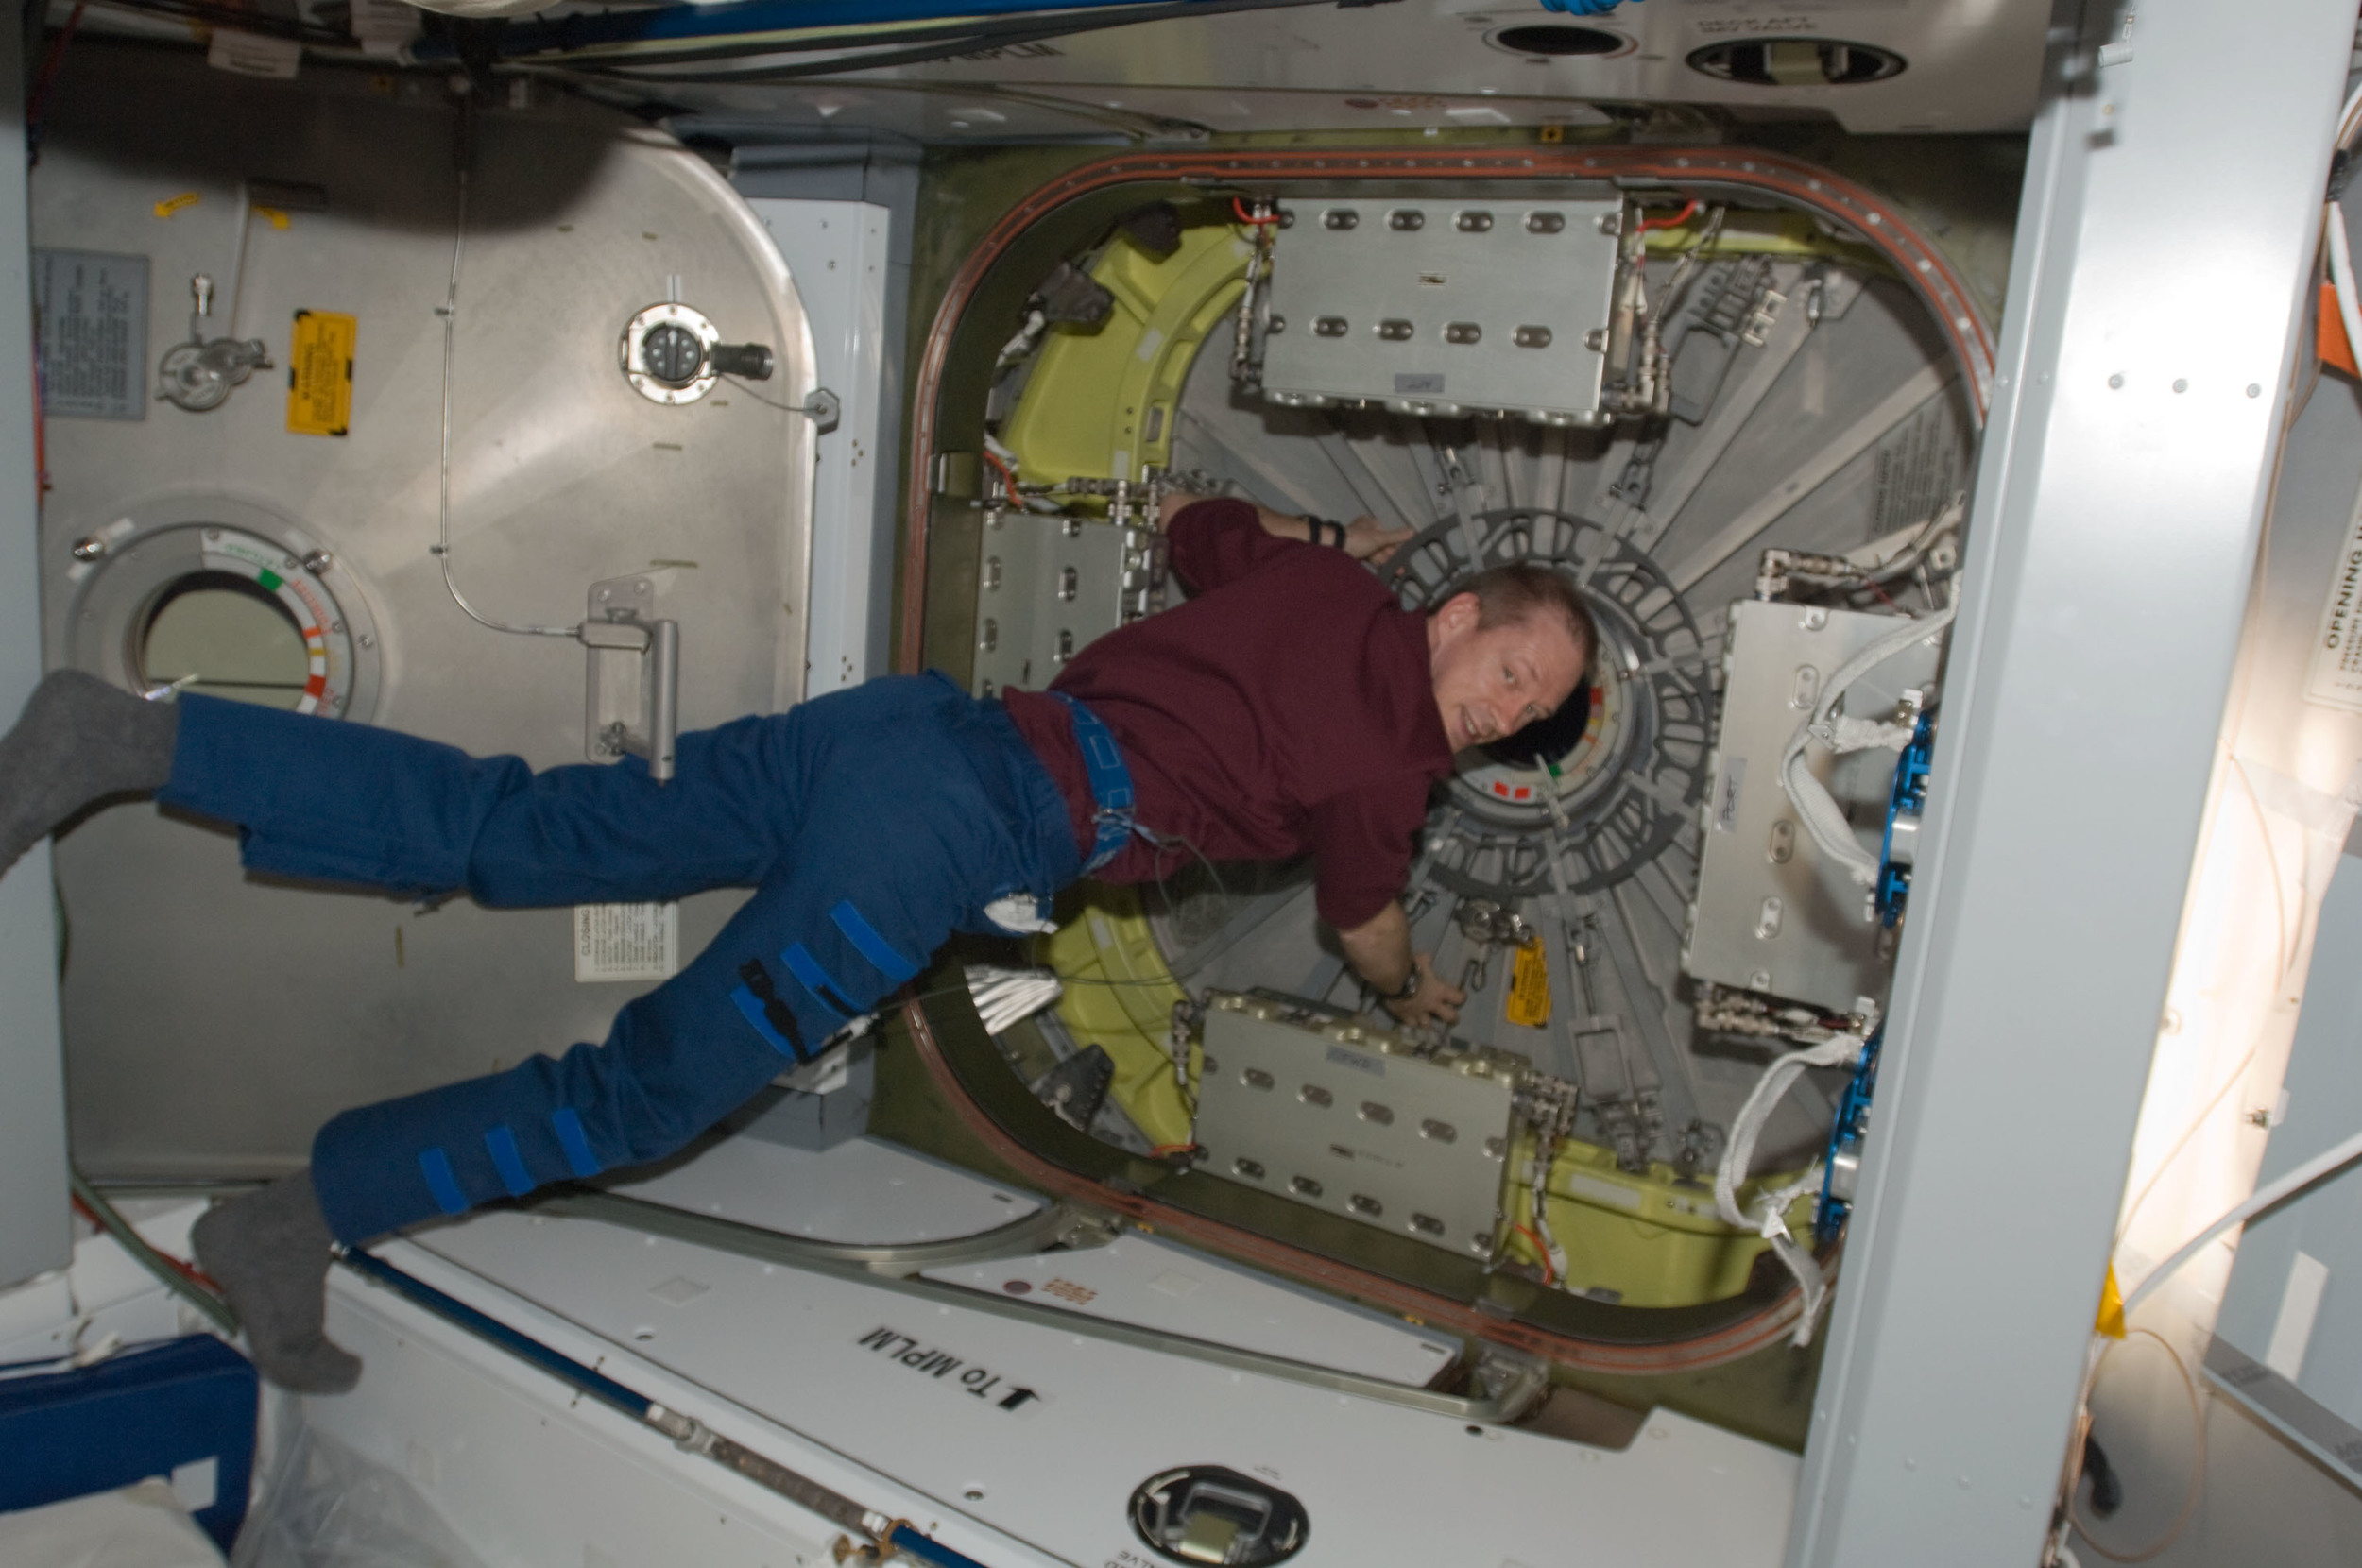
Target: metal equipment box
[(1047, 587), (1437, 307), (1357, 1121), (1773, 914)]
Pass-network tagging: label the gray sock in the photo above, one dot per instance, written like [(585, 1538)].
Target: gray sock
[(78, 741), (268, 1251)]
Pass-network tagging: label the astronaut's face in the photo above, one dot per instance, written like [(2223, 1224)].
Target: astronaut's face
[(1493, 681)]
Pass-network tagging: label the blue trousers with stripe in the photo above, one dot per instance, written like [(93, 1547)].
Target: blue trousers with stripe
[(871, 822)]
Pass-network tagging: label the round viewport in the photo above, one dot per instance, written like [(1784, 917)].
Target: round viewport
[(224, 636)]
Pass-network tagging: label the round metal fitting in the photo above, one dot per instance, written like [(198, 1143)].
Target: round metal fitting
[(214, 564), (658, 356)]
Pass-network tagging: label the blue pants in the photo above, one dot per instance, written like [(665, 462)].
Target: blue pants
[(871, 822)]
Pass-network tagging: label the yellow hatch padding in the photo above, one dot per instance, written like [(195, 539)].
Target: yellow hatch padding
[(1101, 403), (1652, 1236), (1119, 997), (1747, 233)]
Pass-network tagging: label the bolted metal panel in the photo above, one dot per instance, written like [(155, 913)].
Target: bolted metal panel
[(1049, 587), (2121, 491), (1771, 914), (1498, 302), (1355, 1121)]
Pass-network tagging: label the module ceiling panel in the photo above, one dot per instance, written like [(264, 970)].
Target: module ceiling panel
[(1956, 66)]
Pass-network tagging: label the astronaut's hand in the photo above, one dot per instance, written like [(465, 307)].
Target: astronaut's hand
[(1434, 1002), (1368, 540)]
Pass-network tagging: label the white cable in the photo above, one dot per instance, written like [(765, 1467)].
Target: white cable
[(1770, 1220), (1818, 810), (442, 547), (2341, 278), (1538, 1174), (2326, 1164), (1005, 997)]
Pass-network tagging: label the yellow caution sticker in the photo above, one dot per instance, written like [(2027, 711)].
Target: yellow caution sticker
[(171, 205), (1530, 986), (319, 373), (273, 216), (2111, 1319)]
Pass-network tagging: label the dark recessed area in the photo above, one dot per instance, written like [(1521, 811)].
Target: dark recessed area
[(1797, 63), (1554, 37), (1546, 739)]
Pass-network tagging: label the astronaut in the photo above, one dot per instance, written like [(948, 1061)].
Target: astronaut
[(1289, 707)]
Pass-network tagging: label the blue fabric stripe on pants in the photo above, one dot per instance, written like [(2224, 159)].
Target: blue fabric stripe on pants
[(866, 942), (920, 801)]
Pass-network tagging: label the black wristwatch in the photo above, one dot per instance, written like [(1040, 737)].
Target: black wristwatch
[(1316, 524), (1410, 987)]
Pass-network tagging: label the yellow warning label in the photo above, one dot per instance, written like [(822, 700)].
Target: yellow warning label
[(170, 205), (319, 373), (273, 216), (1530, 986), (2110, 1320)]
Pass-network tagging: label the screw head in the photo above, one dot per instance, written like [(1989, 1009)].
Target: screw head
[(2115, 383), (88, 548)]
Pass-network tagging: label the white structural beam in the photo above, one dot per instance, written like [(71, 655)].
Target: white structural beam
[(35, 1230), (2164, 247)]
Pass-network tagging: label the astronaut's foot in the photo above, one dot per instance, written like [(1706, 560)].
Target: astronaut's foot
[(78, 741), (268, 1251)]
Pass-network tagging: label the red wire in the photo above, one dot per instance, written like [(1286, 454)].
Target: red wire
[(1164, 1148), (1550, 1275), (39, 99), (1247, 217), (194, 1275), (1674, 222), (1007, 478)]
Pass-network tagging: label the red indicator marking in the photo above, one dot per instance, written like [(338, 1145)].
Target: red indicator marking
[(1523, 792), (316, 687)]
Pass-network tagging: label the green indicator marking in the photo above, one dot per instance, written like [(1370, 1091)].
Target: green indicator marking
[(268, 578)]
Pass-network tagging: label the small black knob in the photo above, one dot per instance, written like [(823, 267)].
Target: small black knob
[(750, 360)]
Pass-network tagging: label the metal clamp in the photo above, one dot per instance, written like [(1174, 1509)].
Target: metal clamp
[(632, 701)]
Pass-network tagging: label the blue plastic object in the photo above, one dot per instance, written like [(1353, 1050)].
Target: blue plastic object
[(1584, 8), (1845, 1135), (1908, 797), (144, 1413), (751, 20)]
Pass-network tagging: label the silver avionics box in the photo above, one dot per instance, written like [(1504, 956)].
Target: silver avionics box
[(1498, 302), (1773, 914), (1356, 1121)]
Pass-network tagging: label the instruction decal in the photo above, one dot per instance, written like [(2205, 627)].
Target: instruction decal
[(2336, 677), (626, 942), (90, 322), (949, 1369), (319, 373)]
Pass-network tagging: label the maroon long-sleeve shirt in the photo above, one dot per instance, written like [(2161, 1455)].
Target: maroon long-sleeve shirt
[(1285, 707)]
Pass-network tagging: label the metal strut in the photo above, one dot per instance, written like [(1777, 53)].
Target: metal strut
[(888, 1537)]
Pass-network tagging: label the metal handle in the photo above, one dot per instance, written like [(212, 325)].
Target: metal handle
[(633, 700), (663, 699)]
